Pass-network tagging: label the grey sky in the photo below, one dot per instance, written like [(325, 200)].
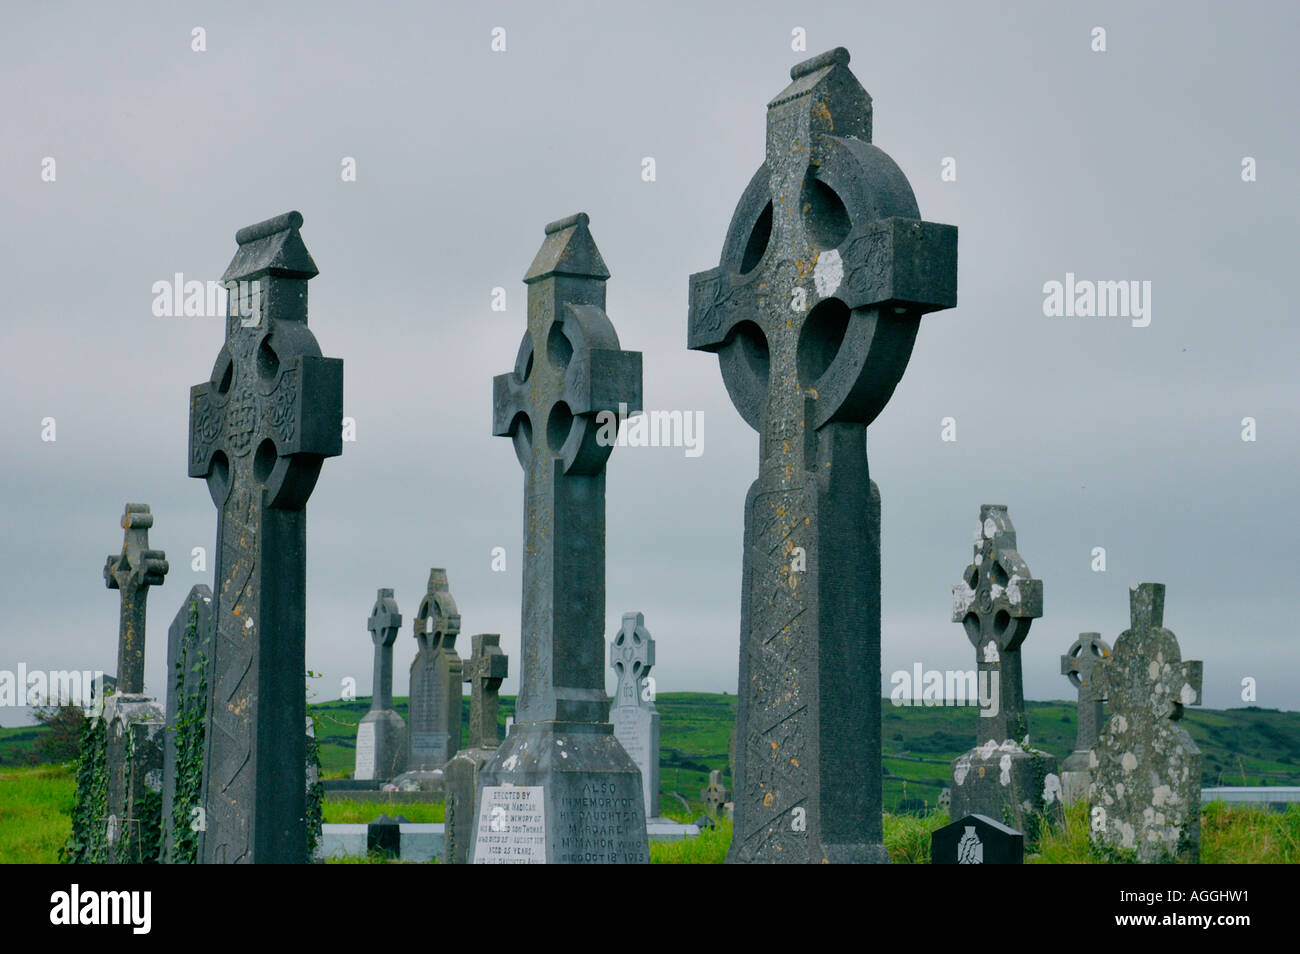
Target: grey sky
[(1123, 165)]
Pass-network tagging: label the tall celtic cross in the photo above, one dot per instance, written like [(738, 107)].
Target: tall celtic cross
[(826, 271), (383, 624), (996, 602), (1080, 665), (484, 671), (260, 429), (133, 571), (560, 408), (632, 655), (436, 673)]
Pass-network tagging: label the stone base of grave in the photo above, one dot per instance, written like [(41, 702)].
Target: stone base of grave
[(1145, 795), (134, 761), (425, 780), (1010, 784), (462, 774), (560, 793), (1075, 778), (381, 745)]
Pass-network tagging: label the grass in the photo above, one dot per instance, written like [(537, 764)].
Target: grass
[(348, 812), (35, 813)]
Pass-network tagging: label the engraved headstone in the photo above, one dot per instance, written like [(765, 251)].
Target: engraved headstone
[(976, 840), (825, 274), (260, 429), (381, 734), (1080, 666), (1145, 795), (188, 648), (135, 723), (633, 712), (715, 794), (560, 407), (484, 671), (434, 731), (996, 602)]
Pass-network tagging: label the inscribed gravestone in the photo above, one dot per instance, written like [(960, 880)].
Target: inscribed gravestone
[(134, 722), (826, 271), (1081, 665), (1145, 795), (434, 731), (188, 641), (260, 429), (977, 840), (571, 779), (381, 741), (633, 713), (484, 671)]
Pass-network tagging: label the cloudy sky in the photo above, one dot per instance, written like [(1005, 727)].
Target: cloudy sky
[(1117, 165)]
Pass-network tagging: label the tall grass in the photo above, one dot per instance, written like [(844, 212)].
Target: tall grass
[(35, 813)]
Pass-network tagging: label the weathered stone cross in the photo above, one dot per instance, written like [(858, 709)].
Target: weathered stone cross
[(383, 624), (133, 571), (826, 271), (1080, 665), (996, 602), (260, 428), (436, 673), (632, 654), (484, 671)]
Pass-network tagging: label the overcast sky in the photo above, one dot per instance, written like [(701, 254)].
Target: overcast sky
[(1116, 165)]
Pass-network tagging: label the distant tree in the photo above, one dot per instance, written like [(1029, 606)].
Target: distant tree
[(62, 741)]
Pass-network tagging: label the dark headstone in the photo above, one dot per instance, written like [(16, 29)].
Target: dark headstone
[(484, 671), (384, 835), (561, 789), (381, 734), (826, 271), (996, 602), (188, 640), (1080, 665), (1145, 795), (434, 731), (260, 430), (134, 743), (977, 840), (633, 713)]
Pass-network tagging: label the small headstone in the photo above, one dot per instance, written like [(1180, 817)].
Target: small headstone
[(1080, 665), (381, 734), (825, 274), (945, 800), (135, 722), (1145, 795), (434, 730), (384, 835), (484, 670), (560, 789), (715, 794), (260, 429), (996, 602), (977, 840), (188, 648), (633, 713)]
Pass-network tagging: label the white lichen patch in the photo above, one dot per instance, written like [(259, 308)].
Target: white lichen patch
[(1013, 589), (996, 591), (1119, 723), (991, 652), (1187, 695), (1004, 766), (1052, 789), (1161, 794), (961, 769), (828, 273), (990, 528), (1119, 789), (1092, 759), (1125, 834), (986, 750), (1153, 671), (962, 599), (1129, 762)]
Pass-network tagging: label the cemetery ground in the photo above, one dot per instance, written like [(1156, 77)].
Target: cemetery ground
[(1248, 746)]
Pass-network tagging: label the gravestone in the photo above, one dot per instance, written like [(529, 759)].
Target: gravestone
[(633, 712), (561, 789), (381, 734), (436, 673), (188, 647), (715, 794), (826, 271), (484, 671), (945, 801), (977, 840), (1080, 666), (134, 722), (260, 429), (1145, 796)]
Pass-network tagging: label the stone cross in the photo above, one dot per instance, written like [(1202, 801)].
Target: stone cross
[(260, 429), (560, 406), (381, 742), (436, 673), (1080, 665), (714, 795), (133, 571), (826, 271), (1145, 794), (484, 671), (633, 712), (996, 602)]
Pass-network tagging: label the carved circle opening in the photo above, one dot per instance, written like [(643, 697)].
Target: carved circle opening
[(759, 237), (971, 623), (558, 347), (753, 348), (219, 474), (825, 218), (268, 362), (264, 460), (819, 341), (557, 426), (523, 436), (223, 374), (1001, 620)]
